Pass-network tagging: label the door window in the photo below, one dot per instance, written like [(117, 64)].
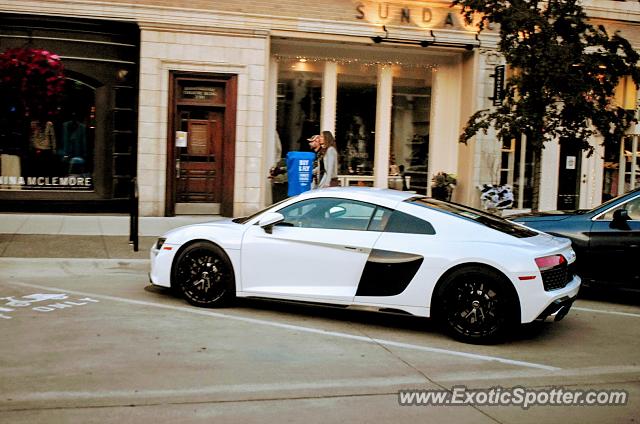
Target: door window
[(328, 213), (632, 207)]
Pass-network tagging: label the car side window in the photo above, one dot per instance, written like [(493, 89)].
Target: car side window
[(328, 213), (400, 222), (632, 207), (380, 219)]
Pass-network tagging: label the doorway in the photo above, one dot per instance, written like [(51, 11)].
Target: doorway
[(201, 148), (198, 163), (569, 176)]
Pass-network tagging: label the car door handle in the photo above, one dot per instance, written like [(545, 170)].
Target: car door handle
[(356, 249)]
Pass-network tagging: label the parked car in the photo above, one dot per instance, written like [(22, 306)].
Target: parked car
[(386, 250), (606, 239)]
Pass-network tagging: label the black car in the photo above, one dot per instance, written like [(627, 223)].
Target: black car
[(606, 239)]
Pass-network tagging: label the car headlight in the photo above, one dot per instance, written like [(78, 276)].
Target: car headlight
[(160, 242)]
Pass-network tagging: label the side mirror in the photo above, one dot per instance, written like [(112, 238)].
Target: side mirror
[(620, 218), (270, 219), (337, 211)]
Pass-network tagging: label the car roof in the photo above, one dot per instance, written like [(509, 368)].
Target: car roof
[(381, 196)]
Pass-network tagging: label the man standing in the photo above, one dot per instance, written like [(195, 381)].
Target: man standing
[(314, 144)]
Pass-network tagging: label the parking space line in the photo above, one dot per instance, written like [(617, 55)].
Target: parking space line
[(204, 312), (386, 385), (602, 311)]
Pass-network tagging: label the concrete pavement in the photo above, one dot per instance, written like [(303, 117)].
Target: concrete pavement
[(94, 343), (83, 236)]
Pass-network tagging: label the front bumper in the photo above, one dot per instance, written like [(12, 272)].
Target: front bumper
[(161, 260)]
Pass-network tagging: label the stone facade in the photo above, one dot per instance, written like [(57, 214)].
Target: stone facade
[(236, 37)]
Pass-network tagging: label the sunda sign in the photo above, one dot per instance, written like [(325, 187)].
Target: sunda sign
[(389, 13)]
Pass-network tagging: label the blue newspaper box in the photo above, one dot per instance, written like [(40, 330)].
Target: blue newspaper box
[(299, 171)]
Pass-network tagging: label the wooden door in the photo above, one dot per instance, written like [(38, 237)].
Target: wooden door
[(199, 166)]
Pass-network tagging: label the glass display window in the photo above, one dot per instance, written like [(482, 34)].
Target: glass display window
[(52, 152), (356, 118), (411, 112), (299, 97)]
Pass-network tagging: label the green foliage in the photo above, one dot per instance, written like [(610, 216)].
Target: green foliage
[(568, 71)]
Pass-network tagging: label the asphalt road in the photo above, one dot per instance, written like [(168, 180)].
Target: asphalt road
[(91, 341)]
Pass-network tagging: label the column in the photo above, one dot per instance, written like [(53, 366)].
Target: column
[(270, 150), (329, 97), (445, 120), (383, 127), (550, 167)]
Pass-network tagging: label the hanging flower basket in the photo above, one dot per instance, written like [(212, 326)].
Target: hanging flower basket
[(34, 78)]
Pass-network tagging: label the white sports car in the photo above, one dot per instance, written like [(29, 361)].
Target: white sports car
[(387, 250)]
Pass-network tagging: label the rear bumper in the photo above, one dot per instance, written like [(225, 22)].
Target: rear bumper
[(557, 310)]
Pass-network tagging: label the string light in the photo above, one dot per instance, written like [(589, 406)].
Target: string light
[(353, 61)]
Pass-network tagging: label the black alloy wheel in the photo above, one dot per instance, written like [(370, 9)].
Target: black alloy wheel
[(204, 275), (476, 306)]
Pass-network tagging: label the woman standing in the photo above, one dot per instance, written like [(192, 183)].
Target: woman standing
[(329, 173)]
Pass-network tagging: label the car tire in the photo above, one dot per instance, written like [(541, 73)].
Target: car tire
[(476, 305), (204, 276)]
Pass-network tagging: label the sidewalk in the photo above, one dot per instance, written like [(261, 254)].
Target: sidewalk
[(83, 236)]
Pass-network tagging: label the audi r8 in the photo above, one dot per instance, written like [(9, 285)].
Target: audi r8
[(393, 251)]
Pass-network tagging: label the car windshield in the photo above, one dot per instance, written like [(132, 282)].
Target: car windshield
[(474, 215)]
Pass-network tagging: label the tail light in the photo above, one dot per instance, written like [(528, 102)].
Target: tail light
[(548, 262)]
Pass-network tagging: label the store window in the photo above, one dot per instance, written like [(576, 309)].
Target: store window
[(410, 124), (68, 114), (51, 148), (621, 168), (356, 118), (516, 170), (298, 102)]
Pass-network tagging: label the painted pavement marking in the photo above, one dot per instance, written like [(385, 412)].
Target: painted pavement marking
[(311, 330)]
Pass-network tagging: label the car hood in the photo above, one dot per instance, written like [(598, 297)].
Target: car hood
[(224, 223)]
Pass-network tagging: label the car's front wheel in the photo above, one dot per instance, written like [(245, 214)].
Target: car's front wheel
[(204, 275), (476, 305)]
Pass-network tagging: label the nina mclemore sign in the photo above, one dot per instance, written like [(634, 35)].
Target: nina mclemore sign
[(46, 182)]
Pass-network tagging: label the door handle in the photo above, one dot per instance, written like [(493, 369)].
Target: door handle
[(356, 249)]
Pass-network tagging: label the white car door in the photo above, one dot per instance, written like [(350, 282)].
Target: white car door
[(317, 253)]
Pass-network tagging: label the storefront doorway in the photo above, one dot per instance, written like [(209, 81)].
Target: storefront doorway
[(198, 163), (569, 176), (202, 145)]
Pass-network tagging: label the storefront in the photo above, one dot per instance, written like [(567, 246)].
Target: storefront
[(379, 104), (68, 146), (201, 100)]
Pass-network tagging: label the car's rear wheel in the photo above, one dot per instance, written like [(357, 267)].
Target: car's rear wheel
[(204, 275), (476, 305)]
